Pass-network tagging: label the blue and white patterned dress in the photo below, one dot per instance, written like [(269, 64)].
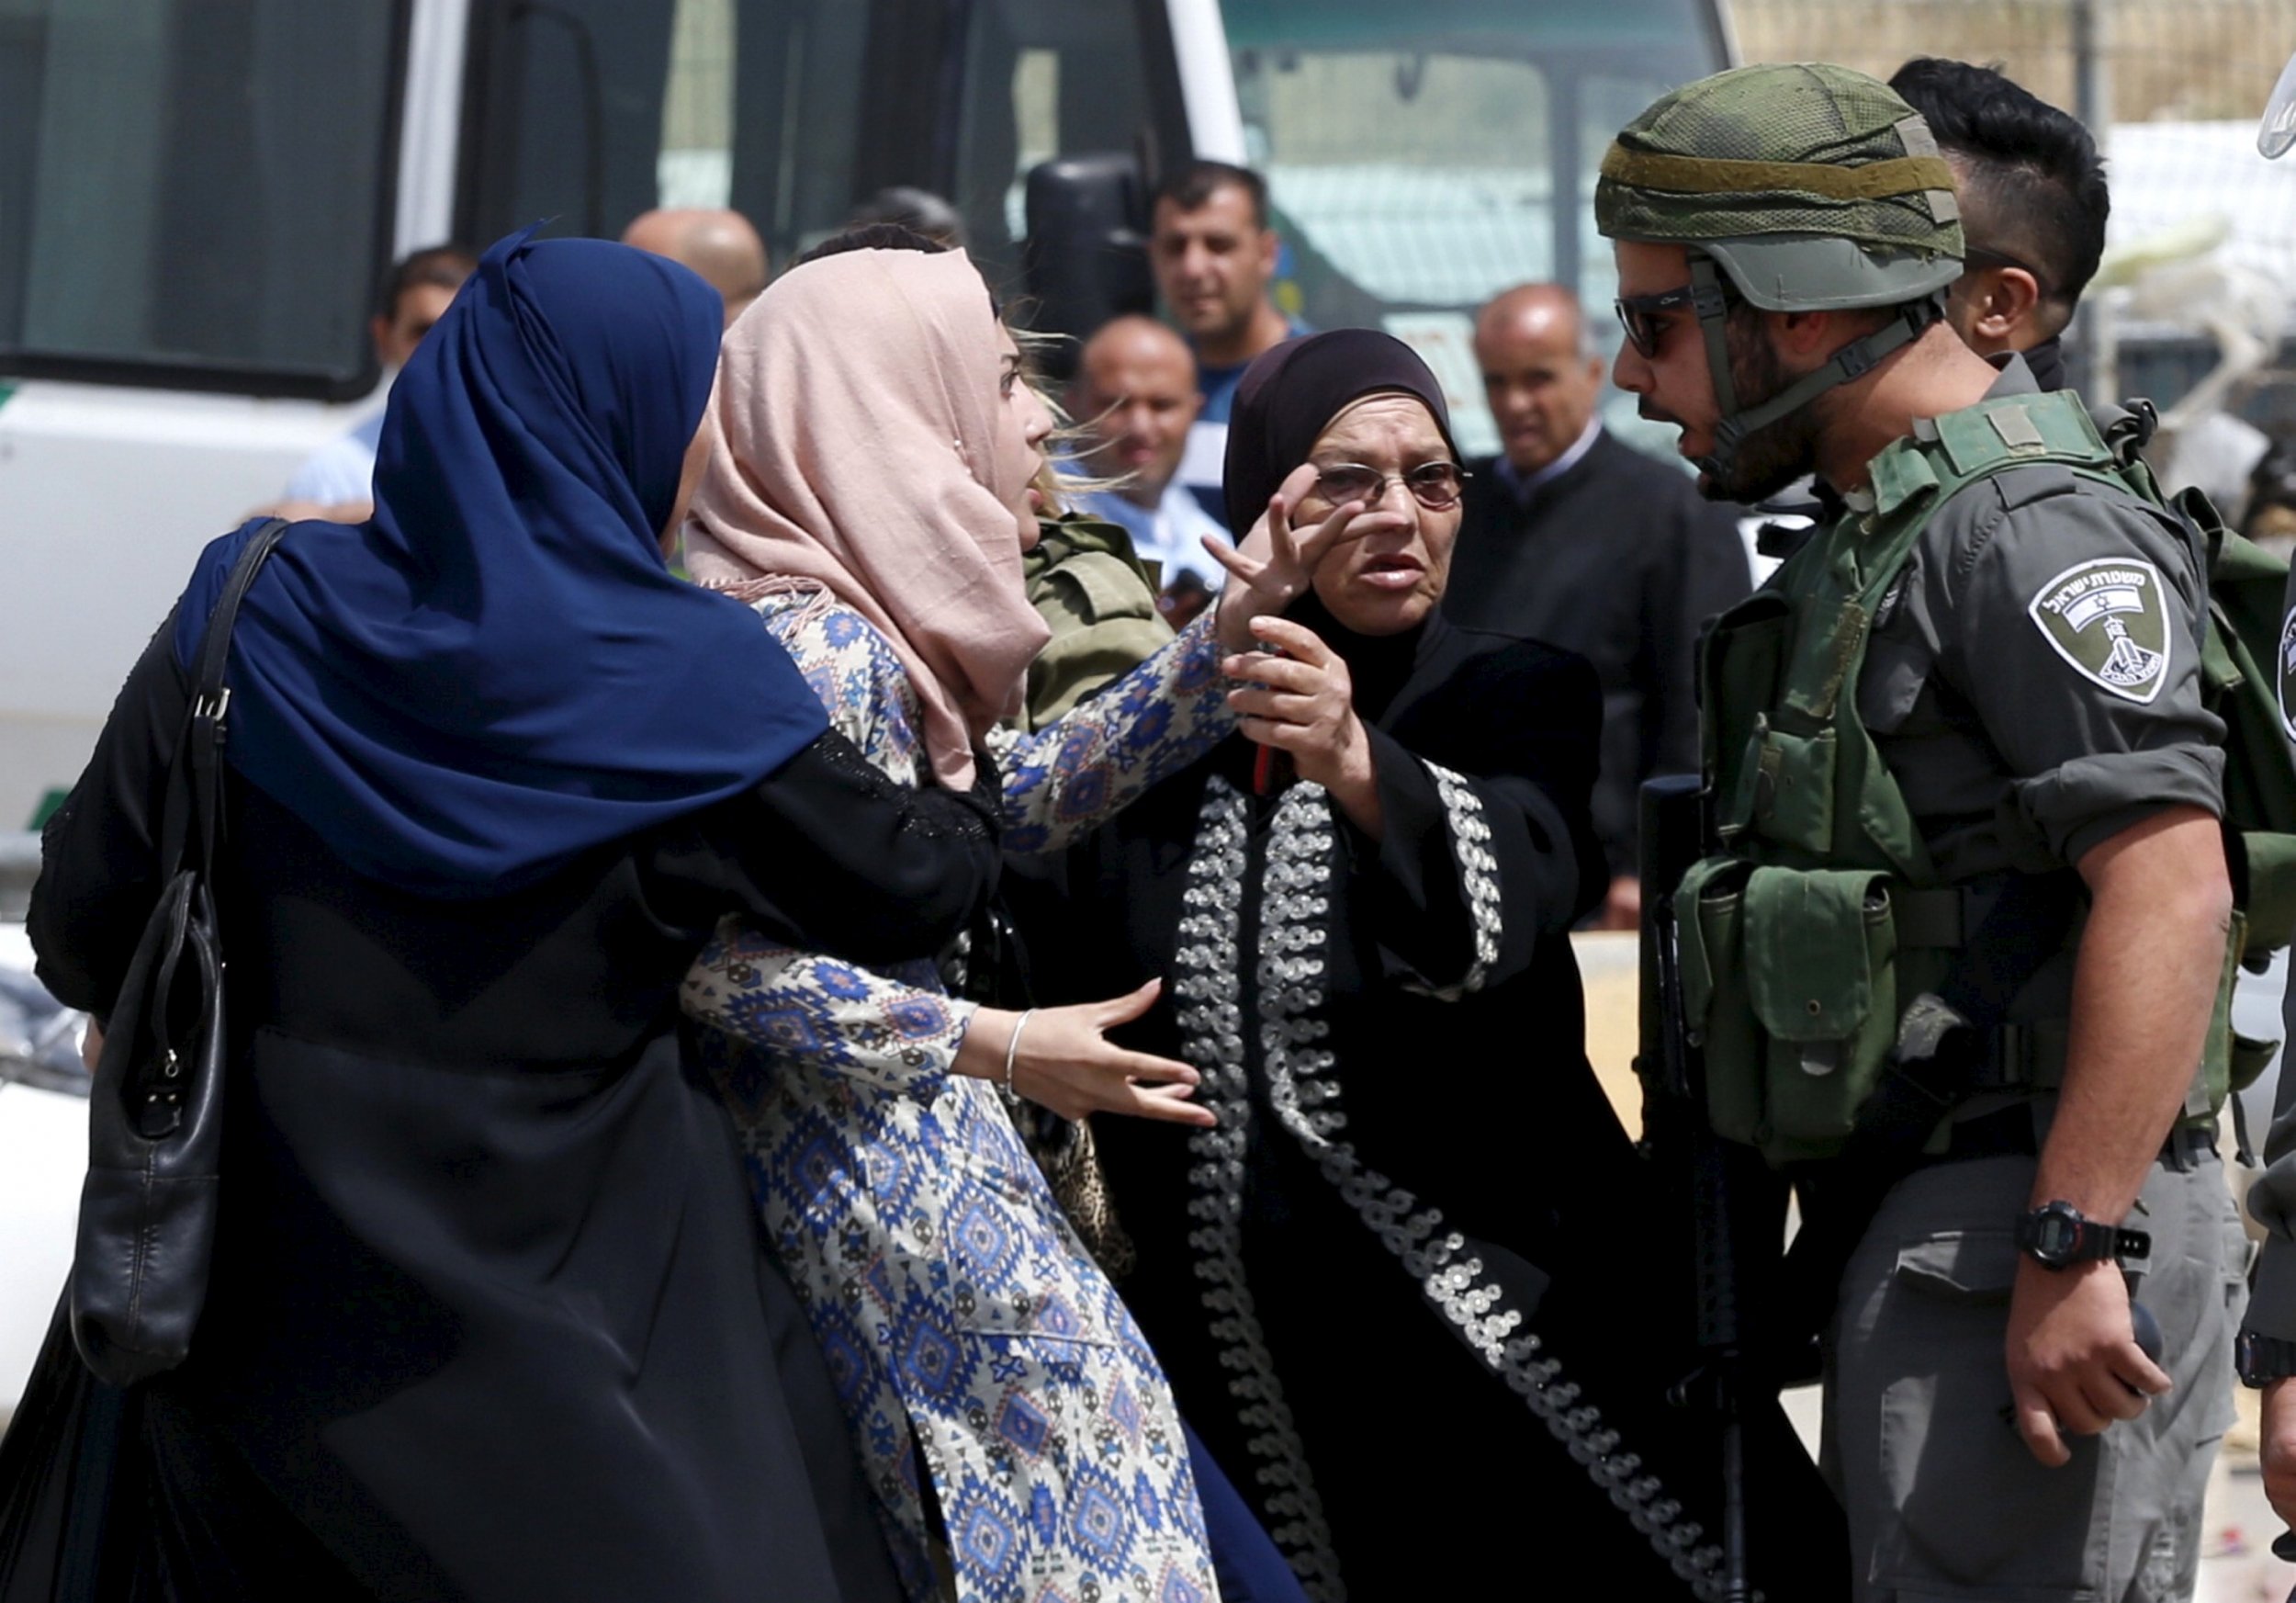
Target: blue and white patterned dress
[(956, 1307)]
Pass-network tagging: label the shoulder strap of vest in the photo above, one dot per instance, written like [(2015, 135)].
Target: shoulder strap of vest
[(1946, 455)]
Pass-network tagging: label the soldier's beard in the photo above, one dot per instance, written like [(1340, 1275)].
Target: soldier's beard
[(1774, 455)]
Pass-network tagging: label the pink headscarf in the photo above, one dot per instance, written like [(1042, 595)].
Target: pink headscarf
[(853, 444)]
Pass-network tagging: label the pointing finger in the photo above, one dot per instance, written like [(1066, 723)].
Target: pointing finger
[(1233, 560), (1123, 1010), (1169, 1104)]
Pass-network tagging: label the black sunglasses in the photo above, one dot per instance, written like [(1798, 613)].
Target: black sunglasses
[(1640, 316)]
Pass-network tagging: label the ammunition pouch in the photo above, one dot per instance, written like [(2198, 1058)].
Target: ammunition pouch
[(1823, 917), (1794, 981), (2229, 1061)]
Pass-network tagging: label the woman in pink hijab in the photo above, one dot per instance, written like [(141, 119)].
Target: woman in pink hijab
[(869, 491)]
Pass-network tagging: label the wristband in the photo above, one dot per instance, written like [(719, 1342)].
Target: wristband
[(2259, 1359)]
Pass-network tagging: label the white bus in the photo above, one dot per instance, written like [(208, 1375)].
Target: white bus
[(198, 201)]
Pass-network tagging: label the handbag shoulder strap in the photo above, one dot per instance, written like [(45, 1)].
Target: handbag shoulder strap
[(191, 817)]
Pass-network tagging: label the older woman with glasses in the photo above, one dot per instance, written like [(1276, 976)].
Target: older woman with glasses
[(1368, 1281)]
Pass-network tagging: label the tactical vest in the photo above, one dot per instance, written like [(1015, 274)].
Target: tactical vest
[(1819, 916)]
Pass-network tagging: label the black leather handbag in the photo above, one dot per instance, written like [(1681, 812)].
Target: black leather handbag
[(155, 1121)]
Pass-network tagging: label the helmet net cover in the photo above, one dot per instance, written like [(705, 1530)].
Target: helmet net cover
[(1807, 148)]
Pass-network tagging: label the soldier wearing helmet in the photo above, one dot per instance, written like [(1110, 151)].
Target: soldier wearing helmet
[(1954, 948)]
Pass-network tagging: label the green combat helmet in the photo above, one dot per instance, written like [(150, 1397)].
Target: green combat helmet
[(1813, 188)]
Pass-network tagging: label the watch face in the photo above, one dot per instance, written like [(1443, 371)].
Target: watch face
[(2055, 1236)]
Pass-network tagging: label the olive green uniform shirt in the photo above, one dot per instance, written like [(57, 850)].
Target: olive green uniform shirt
[(1084, 579), (1991, 686)]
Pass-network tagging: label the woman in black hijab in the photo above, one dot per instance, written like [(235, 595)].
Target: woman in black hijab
[(1363, 899)]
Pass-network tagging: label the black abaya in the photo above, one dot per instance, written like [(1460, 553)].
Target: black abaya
[(488, 1317), (1403, 1062)]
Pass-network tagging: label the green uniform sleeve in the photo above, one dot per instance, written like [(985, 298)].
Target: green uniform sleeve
[(1105, 623), (2068, 620)]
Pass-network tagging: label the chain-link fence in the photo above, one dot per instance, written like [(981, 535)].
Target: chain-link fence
[(2203, 229)]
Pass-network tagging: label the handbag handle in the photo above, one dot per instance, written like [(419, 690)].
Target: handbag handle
[(191, 818)]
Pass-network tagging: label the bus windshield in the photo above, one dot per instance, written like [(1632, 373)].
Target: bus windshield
[(1421, 158), (164, 220)]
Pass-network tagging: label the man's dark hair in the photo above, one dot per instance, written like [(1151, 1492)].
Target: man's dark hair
[(920, 210), (873, 236), (2034, 186), (440, 266), (1193, 186)]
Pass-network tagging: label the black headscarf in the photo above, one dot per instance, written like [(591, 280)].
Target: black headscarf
[(1290, 393), (1289, 396)]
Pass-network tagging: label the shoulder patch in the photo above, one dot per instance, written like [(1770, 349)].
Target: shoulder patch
[(2107, 617), (2286, 677)]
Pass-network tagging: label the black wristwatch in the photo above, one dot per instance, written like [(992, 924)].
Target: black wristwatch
[(2259, 1359), (2057, 1235)]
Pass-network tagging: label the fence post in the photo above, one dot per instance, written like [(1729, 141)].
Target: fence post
[(2092, 103)]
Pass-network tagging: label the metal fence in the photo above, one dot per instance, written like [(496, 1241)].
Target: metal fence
[(2185, 60), (2175, 89)]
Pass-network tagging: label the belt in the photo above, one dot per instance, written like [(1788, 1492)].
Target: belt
[(2009, 1132), (2024, 1057)]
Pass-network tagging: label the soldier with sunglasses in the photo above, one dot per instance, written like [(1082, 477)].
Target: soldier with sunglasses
[(1572, 537), (1951, 953)]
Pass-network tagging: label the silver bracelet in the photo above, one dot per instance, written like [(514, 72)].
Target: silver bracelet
[(1012, 1050)]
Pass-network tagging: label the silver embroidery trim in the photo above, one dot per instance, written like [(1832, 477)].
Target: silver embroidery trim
[(1211, 1026), (1479, 875), (1293, 932)]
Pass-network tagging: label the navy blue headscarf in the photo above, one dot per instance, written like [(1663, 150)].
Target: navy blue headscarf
[(497, 671)]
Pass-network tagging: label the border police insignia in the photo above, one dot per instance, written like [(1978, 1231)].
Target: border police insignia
[(2108, 619), (2287, 675)]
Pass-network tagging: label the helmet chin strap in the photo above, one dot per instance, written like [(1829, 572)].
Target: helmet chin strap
[(1851, 361)]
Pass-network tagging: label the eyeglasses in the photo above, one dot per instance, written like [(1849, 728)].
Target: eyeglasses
[(1639, 316), (1434, 485)]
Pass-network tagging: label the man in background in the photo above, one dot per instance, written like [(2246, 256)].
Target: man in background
[(1135, 397), (1573, 537), (720, 245), (1214, 257), (2033, 204), (337, 480)]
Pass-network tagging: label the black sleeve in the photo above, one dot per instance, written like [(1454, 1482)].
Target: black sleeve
[(830, 854), (1693, 565), (1711, 576), (1487, 847), (99, 854)]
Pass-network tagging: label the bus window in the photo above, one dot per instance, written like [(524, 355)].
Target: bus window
[(1421, 158), (1045, 78), (696, 164), (161, 222), (588, 112)]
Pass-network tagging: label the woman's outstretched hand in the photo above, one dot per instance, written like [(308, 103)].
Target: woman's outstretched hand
[(1303, 701), (1276, 562), (1066, 1063)]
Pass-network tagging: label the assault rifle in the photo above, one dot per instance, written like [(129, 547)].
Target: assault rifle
[(1679, 1134), (1778, 1522)]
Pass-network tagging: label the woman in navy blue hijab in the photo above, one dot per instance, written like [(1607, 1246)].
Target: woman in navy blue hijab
[(497, 671), (488, 1317)]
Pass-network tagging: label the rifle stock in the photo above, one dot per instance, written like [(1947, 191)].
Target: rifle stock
[(1679, 1133)]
